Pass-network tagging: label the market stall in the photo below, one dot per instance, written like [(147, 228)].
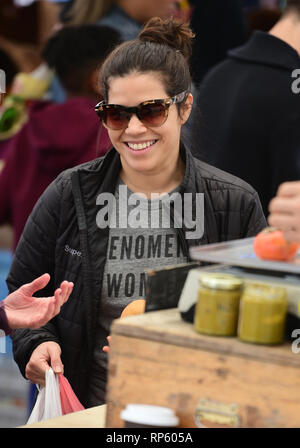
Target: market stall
[(213, 381), (211, 370)]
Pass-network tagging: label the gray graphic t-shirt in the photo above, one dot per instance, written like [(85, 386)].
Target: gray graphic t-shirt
[(141, 237)]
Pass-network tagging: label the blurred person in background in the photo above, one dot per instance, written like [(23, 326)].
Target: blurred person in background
[(219, 26), (8, 70), (57, 136), (126, 16), (250, 113), (262, 14), (9, 67), (25, 27)]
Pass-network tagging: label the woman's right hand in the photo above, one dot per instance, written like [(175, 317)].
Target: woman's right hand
[(46, 355)]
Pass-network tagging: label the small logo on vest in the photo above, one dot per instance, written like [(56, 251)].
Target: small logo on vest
[(296, 83), (71, 251)]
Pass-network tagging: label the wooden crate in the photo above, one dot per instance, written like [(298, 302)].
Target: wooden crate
[(156, 358)]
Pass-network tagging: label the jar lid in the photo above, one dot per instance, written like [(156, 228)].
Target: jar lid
[(215, 280), (265, 291), (146, 414)]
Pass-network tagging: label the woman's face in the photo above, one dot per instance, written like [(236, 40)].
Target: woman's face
[(160, 145)]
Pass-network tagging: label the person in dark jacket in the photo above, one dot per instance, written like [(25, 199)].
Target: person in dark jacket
[(145, 203), (250, 109), (219, 26), (57, 136)]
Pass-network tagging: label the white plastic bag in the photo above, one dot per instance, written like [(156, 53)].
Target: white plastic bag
[(48, 403)]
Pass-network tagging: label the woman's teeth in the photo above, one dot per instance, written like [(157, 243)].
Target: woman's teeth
[(139, 146)]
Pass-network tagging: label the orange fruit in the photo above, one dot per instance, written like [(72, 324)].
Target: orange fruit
[(134, 307), (270, 244)]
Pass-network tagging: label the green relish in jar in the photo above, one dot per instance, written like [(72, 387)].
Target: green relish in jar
[(217, 307), (262, 314)]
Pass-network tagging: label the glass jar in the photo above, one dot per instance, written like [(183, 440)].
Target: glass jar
[(262, 317), (217, 307)]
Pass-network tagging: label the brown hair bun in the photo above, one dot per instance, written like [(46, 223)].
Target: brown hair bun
[(169, 32)]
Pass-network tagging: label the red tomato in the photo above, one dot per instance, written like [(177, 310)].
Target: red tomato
[(270, 244)]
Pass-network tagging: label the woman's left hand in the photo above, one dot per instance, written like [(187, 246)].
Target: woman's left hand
[(106, 348)]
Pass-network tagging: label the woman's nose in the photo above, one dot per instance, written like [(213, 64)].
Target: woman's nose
[(135, 126)]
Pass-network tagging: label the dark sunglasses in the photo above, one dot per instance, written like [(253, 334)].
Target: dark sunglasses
[(152, 113)]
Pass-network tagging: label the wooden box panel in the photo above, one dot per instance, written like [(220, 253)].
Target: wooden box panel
[(156, 358)]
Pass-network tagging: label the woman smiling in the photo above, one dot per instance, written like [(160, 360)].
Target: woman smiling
[(146, 89)]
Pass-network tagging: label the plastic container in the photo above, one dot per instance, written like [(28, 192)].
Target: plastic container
[(217, 307), (148, 416), (263, 312)]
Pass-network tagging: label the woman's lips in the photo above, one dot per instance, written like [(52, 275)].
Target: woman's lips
[(140, 147)]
